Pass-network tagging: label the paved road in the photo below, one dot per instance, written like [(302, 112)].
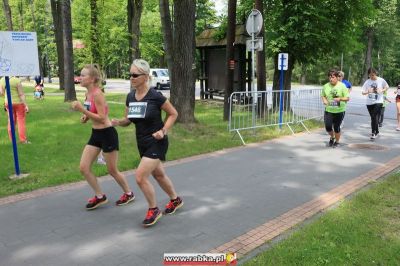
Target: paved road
[(226, 194)]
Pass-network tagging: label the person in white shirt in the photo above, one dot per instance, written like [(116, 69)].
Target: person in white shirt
[(374, 87)]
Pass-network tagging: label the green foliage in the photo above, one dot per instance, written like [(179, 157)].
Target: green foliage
[(113, 39), (221, 31), (205, 15), (316, 33), (151, 39), (310, 30)]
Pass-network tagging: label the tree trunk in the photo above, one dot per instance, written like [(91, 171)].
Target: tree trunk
[(70, 94), (368, 54), (183, 89), (94, 33), (41, 63), (135, 8), (7, 14), (302, 78), (230, 55), (20, 8), (58, 34), (166, 26)]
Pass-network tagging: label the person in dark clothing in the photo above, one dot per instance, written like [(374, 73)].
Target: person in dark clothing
[(39, 85), (374, 88), (144, 107)]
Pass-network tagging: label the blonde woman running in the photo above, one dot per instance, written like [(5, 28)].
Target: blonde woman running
[(144, 107), (104, 138)]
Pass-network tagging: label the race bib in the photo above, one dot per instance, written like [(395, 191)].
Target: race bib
[(87, 104), (334, 103), (373, 96), (137, 109)]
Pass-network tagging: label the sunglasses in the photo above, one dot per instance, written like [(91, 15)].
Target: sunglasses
[(134, 75)]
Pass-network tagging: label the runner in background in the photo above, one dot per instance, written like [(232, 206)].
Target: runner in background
[(334, 95), (397, 92), (348, 86), (382, 114), (374, 87)]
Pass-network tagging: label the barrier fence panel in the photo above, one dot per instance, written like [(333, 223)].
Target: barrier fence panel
[(250, 110)]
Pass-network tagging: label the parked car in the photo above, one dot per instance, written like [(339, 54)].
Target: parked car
[(159, 78)]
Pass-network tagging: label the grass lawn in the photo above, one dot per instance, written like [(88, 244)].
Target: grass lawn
[(58, 138), (364, 230)]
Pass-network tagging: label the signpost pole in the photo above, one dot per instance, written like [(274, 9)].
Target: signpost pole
[(11, 117), (254, 94), (253, 27), (18, 57), (282, 58)]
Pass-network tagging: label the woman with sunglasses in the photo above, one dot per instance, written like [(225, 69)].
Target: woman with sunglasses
[(104, 138), (144, 107)]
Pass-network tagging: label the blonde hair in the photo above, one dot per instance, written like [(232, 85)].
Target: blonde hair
[(94, 72), (142, 66)]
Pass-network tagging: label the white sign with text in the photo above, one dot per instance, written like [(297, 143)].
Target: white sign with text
[(18, 54), (283, 59)]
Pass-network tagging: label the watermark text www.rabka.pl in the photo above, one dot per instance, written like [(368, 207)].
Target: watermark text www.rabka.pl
[(200, 259)]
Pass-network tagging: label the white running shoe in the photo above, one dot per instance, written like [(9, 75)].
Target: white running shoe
[(100, 160)]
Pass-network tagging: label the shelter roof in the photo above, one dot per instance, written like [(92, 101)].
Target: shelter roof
[(206, 38)]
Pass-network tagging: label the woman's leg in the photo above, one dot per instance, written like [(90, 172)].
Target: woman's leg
[(371, 114), (381, 116), (145, 168), (111, 159), (9, 122), (337, 121), (375, 114), (89, 154), (20, 115), (398, 114), (164, 181)]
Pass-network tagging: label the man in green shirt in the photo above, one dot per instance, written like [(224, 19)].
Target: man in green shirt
[(335, 96)]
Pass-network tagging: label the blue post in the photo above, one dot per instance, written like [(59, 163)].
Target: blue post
[(281, 93), (11, 117)]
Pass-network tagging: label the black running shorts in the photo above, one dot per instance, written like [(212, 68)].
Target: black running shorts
[(105, 139), (156, 149)]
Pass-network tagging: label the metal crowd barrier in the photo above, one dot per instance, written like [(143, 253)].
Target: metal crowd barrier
[(250, 110)]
